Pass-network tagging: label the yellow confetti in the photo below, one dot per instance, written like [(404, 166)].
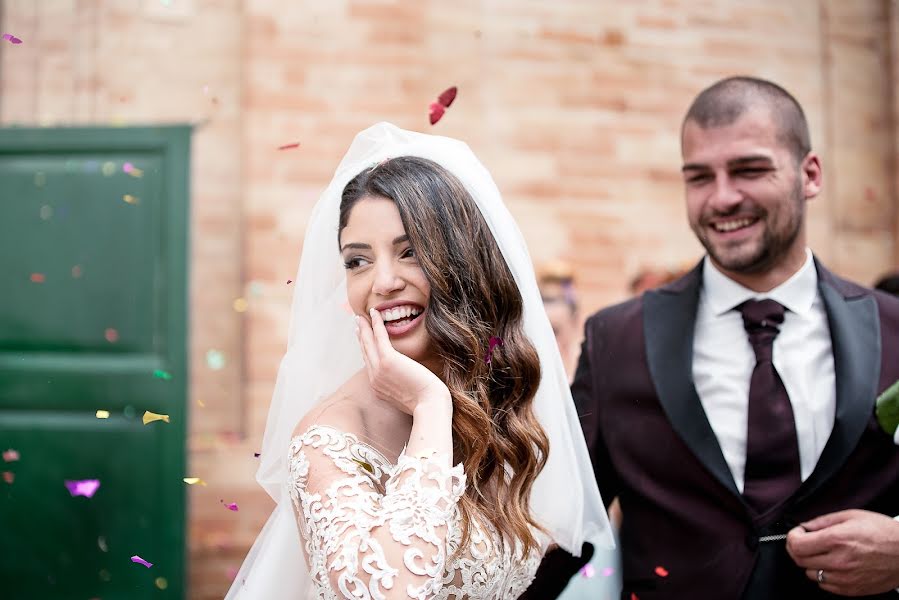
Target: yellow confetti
[(365, 466), (193, 481), (108, 169), (102, 414), (240, 305), (149, 417), (131, 199), (201, 403), (162, 583), (135, 172)]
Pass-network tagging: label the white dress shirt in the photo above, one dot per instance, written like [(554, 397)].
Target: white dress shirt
[(723, 361)]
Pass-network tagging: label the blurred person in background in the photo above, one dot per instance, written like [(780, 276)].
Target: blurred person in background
[(888, 283)]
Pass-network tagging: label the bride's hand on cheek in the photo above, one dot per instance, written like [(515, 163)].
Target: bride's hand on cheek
[(395, 377)]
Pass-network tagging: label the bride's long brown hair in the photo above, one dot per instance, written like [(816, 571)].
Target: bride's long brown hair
[(474, 297)]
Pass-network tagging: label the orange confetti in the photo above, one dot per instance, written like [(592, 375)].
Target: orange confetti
[(38, 278), (131, 199)]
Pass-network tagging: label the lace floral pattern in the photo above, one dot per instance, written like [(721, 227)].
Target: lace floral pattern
[(349, 499)]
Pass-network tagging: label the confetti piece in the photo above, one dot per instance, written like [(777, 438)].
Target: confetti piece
[(364, 465), (494, 342), (101, 544), (256, 454), (131, 199), (437, 109), (149, 417), (160, 374), (161, 582), (132, 170), (194, 480), (10, 455), (76, 271), (102, 414), (108, 169), (38, 278), (289, 146), (230, 505), (201, 403), (661, 571), (289, 281), (587, 571), (9, 476), (240, 305), (11, 38), (634, 596), (46, 212), (608, 572), (435, 112), (111, 335), (83, 487), (215, 360), (139, 560)]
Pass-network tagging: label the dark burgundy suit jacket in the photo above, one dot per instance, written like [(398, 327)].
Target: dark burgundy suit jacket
[(652, 446)]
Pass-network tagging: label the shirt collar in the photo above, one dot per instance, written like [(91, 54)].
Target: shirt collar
[(797, 293)]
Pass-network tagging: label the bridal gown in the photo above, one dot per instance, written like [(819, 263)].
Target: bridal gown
[(348, 497)]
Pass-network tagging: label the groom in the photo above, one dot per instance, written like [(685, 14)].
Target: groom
[(732, 411)]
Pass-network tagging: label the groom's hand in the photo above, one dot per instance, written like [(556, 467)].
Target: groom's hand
[(857, 550)]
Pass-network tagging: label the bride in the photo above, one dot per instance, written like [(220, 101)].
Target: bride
[(422, 441)]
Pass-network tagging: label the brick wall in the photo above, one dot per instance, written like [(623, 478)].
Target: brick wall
[(573, 105)]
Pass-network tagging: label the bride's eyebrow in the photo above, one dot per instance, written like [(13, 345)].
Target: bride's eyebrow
[(357, 246)]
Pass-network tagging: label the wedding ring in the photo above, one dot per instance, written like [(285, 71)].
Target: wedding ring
[(820, 576)]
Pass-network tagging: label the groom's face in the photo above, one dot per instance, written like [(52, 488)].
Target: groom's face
[(382, 272), (745, 193)]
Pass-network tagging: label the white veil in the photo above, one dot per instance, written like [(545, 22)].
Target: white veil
[(322, 353)]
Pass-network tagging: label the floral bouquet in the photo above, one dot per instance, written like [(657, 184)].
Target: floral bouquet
[(887, 411)]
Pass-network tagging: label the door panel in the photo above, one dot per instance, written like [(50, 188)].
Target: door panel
[(93, 316)]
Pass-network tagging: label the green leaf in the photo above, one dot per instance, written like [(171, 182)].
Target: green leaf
[(888, 409)]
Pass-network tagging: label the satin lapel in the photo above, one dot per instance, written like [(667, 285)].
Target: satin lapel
[(669, 317), (855, 334)]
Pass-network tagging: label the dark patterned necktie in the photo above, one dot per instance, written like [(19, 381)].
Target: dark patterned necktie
[(772, 450)]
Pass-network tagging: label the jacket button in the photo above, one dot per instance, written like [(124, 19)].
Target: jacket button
[(752, 541)]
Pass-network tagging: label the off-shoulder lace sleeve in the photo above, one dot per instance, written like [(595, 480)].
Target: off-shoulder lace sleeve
[(365, 540)]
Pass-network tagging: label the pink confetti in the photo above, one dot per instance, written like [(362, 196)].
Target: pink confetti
[(9, 476), (588, 571), (230, 505), (127, 167), (111, 335), (661, 571), (494, 342), (83, 487), (289, 146), (10, 455), (11, 38), (38, 278), (137, 559), (437, 109), (608, 572)]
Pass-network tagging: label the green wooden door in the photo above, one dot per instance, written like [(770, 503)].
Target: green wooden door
[(93, 305)]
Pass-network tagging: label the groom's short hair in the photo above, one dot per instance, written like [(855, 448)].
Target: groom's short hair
[(724, 102)]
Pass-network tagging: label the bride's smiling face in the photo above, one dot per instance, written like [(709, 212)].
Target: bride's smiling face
[(383, 273)]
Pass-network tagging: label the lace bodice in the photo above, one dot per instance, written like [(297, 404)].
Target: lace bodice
[(372, 529)]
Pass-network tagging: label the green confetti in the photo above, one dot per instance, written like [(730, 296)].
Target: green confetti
[(888, 409), (159, 373)]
